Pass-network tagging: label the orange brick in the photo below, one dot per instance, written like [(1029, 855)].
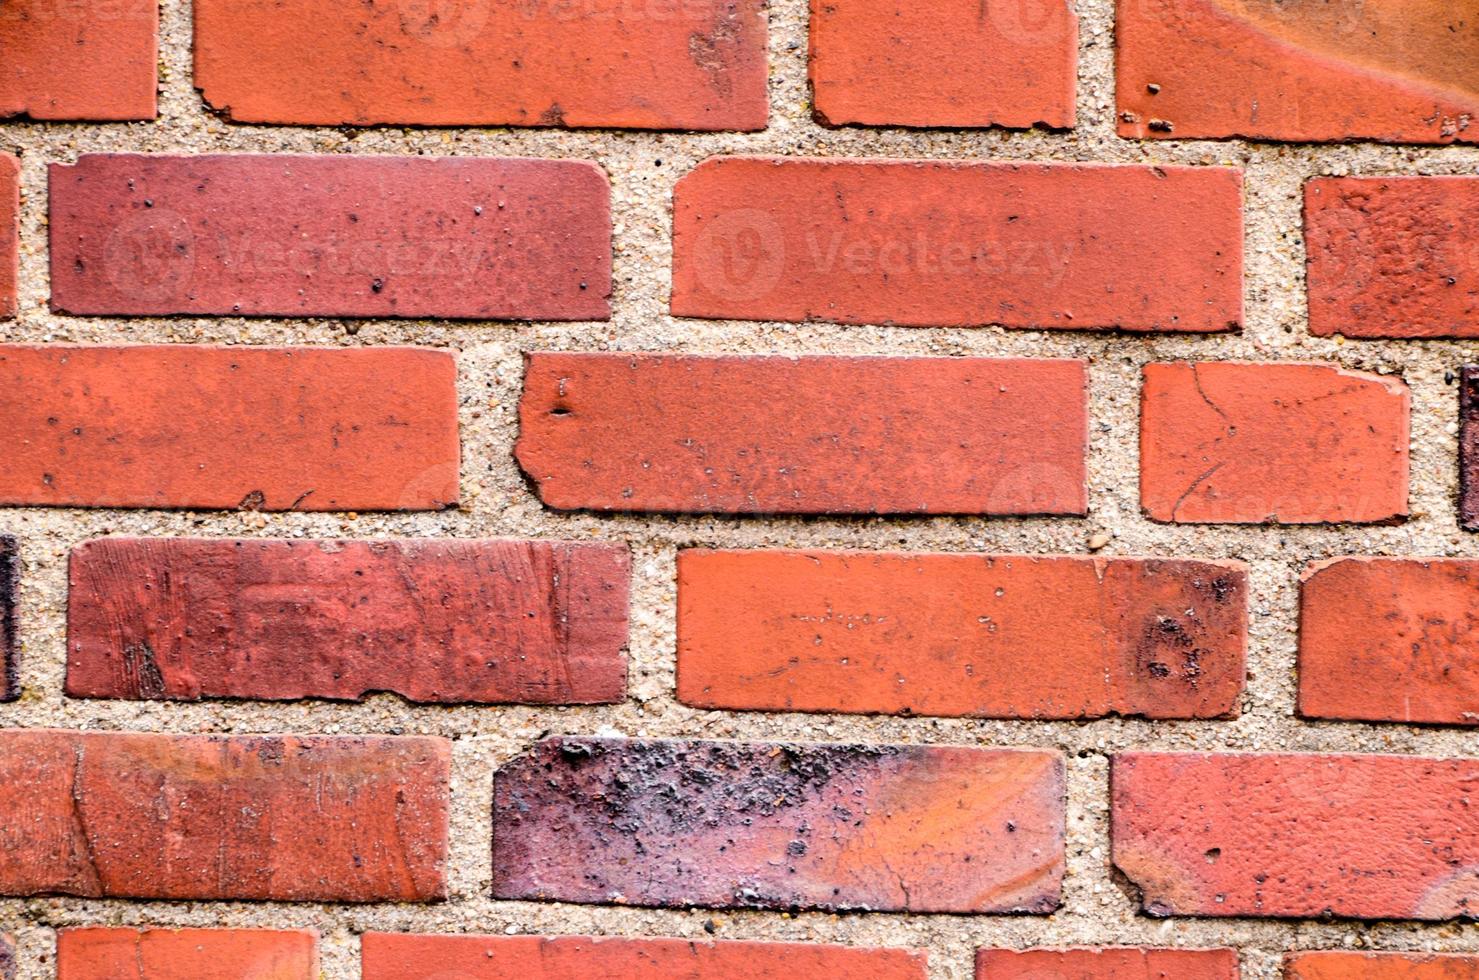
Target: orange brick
[(1107, 964), (79, 60), (186, 954)]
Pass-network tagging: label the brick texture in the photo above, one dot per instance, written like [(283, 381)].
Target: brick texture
[(214, 817), (481, 239), (1298, 836), (186, 954), (1379, 966), (695, 64), (974, 635), (1107, 964), (1392, 256), (79, 59), (1398, 71), (10, 582), (434, 621), (1390, 639), (1240, 443), (779, 826), (811, 435), (949, 63), (920, 243), (400, 957), (10, 204), (229, 427)]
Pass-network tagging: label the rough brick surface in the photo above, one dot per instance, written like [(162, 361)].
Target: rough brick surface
[(1298, 836), (10, 203), (809, 435), (79, 59), (948, 63), (1398, 71), (479, 238), (1390, 639), (975, 635), (227, 427), (775, 826), (360, 819), (918, 243), (1392, 256), (401, 957), (1239, 443), (1379, 966), (695, 64), (186, 954), (10, 582), (434, 621), (1468, 447), (1107, 964)]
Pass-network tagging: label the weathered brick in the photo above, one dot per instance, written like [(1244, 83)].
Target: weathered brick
[(931, 243), (401, 957), (79, 59), (993, 636), (1107, 964), (1392, 256), (947, 63), (1379, 966), (186, 954), (1468, 447), (698, 64), (465, 238), (10, 579), (327, 819), (1298, 836), (225, 427), (1395, 71), (10, 210), (1272, 443), (530, 622), (1390, 639), (807, 435), (779, 826)]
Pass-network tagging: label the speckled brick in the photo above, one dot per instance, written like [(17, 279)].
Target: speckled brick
[(79, 59), (10, 207), (186, 954)]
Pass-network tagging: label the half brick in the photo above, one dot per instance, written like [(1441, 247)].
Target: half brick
[(186, 954), (780, 826), (987, 636), (1379, 966), (79, 60), (10, 232), (1128, 963)]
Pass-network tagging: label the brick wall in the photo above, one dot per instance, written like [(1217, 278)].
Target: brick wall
[(705, 489)]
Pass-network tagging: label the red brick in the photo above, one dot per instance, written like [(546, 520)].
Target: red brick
[(1107, 964), (10, 211), (1395, 71), (528, 622), (1298, 836), (10, 577), (186, 954), (804, 435), (311, 429), (1379, 966), (464, 238), (284, 818), (780, 826), (1290, 443), (695, 64), (1390, 639), (921, 243), (960, 635), (948, 63), (79, 59), (1392, 256), (398, 957)]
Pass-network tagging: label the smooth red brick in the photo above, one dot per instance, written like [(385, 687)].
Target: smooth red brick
[(1298, 836), (804, 435), (780, 826), (186, 954), (1390, 639), (947, 63), (10, 580), (283, 818), (10, 211), (259, 428), (1379, 966), (1107, 964), (79, 59), (1226, 442), (461, 238), (930, 243), (987, 636), (388, 956), (1392, 256), (530, 622), (1395, 71), (694, 64)]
